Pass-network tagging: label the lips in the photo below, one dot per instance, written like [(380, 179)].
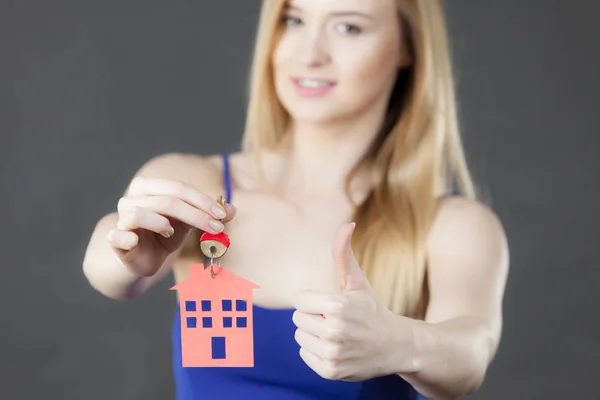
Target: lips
[(310, 87)]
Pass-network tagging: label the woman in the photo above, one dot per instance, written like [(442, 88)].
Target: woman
[(351, 118)]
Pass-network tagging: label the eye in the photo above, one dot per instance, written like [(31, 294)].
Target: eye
[(349, 28), (291, 21)]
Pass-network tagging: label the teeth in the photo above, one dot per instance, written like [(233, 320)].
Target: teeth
[(311, 83)]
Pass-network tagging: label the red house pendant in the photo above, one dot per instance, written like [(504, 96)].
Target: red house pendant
[(216, 312)]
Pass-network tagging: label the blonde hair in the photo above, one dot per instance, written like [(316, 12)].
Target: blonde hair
[(417, 157)]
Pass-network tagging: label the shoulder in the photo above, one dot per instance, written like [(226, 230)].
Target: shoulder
[(177, 165), (467, 232), (460, 214), (202, 172)]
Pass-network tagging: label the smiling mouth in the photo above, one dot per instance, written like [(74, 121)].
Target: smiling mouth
[(313, 83), (309, 87)]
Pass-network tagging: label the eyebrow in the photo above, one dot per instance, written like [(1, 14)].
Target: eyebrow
[(290, 7)]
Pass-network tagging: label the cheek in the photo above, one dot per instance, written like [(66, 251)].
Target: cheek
[(283, 55), (282, 61), (371, 69)]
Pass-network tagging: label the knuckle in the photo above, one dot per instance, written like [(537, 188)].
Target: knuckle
[(136, 213), (337, 305), (334, 307), (205, 200), (137, 181), (168, 203), (334, 351), (126, 220), (179, 188), (336, 330)]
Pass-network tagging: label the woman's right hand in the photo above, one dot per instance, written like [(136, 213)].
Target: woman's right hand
[(156, 216)]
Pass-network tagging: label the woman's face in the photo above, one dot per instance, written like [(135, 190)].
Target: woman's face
[(337, 59)]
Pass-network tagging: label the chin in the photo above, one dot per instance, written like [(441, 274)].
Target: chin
[(315, 115), (314, 111)]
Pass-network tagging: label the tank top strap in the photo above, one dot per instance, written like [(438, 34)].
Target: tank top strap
[(227, 177)]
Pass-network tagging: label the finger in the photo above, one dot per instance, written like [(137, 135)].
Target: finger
[(352, 277), (314, 362), (313, 302), (140, 217), (341, 244), (311, 323), (325, 368), (310, 342), (122, 240), (146, 186), (175, 208)]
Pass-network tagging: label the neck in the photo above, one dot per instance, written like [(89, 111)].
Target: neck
[(319, 157)]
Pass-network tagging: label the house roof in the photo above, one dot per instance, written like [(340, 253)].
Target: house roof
[(201, 280)]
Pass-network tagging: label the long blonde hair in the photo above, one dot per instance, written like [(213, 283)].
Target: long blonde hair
[(417, 157)]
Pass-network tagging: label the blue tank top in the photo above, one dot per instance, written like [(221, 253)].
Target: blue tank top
[(278, 373)]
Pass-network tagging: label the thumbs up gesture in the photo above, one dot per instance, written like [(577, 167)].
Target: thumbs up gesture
[(349, 335)]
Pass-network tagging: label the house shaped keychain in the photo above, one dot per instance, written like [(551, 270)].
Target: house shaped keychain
[(216, 311)]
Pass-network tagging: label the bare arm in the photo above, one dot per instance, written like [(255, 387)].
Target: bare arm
[(107, 274), (468, 268)]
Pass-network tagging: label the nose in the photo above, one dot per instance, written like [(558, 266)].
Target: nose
[(314, 51)]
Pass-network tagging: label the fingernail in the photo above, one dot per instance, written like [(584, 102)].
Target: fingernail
[(216, 225), (353, 225), (218, 211)]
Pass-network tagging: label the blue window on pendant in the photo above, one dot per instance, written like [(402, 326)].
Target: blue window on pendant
[(227, 322), (240, 322), (226, 305), (206, 322), (191, 322), (205, 305), (240, 305), (190, 305)]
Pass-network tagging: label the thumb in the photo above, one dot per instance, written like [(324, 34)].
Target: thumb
[(352, 277)]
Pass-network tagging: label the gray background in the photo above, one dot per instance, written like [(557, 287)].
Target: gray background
[(89, 90)]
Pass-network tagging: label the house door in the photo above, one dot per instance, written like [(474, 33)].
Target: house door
[(218, 347)]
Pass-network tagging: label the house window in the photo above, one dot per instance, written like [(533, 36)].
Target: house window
[(190, 305), (240, 305), (240, 322), (191, 322), (227, 322), (226, 305), (205, 305), (206, 322)]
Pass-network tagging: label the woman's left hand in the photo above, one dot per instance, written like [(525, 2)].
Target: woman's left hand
[(351, 335)]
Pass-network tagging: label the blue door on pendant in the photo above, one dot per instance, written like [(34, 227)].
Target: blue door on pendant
[(218, 347)]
